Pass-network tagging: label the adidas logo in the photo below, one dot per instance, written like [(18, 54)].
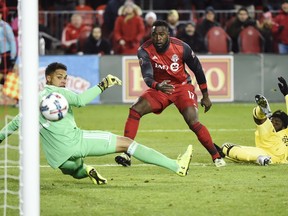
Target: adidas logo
[(154, 57)]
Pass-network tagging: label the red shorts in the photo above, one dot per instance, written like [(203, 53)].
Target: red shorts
[(183, 97)]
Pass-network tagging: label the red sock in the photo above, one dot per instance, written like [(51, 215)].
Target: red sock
[(132, 124), (205, 139)]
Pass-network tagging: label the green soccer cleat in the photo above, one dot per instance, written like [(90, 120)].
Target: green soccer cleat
[(95, 176), (262, 102), (184, 161)]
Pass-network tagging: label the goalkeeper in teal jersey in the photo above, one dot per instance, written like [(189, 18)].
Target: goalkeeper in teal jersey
[(65, 145)]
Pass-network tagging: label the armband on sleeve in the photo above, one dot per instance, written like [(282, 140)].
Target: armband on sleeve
[(203, 87), (154, 85)]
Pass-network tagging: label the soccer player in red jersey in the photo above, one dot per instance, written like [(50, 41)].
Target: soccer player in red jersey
[(162, 60)]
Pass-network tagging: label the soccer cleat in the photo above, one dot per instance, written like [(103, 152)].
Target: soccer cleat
[(123, 159), (95, 176), (263, 160), (219, 162), (184, 161), (262, 102)]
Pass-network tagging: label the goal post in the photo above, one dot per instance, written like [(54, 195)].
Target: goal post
[(29, 108)]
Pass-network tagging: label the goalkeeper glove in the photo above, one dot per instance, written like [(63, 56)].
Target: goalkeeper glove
[(283, 86), (109, 81)]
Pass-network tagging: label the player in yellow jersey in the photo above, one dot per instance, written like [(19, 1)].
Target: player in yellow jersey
[(271, 135)]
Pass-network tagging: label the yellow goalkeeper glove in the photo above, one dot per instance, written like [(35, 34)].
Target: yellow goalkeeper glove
[(109, 81)]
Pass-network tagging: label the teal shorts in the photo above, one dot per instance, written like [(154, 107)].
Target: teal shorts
[(96, 143)]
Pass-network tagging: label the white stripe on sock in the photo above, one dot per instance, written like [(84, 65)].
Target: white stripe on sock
[(132, 148)]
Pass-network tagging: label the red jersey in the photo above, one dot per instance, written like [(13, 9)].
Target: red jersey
[(170, 64)]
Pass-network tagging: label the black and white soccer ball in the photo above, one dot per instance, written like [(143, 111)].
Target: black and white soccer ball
[(54, 106)]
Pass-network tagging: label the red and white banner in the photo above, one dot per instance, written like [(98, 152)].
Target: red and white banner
[(218, 70)]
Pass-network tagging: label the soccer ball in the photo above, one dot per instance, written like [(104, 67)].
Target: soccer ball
[(54, 106)]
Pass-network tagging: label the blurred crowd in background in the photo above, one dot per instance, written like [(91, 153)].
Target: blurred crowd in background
[(119, 27), (107, 27)]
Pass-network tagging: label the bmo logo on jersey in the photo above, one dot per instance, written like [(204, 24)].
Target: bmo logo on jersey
[(174, 66), (162, 67)]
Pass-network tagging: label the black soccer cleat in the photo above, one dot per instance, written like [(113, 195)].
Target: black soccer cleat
[(123, 159)]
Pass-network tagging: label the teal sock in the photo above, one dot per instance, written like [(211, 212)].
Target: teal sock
[(151, 156), (81, 172), (75, 168)]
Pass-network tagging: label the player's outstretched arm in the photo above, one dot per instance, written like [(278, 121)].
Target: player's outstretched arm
[(283, 86), (109, 81), (284, 89), (8, 129)]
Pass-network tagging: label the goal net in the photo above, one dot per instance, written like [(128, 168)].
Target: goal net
[(9, 173)]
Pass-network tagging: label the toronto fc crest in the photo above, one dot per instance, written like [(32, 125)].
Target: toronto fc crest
[(174, 66)]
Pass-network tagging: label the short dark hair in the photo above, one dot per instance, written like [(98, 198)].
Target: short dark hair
[(51, 68), (161, 23), (242, 9), (281, 115)]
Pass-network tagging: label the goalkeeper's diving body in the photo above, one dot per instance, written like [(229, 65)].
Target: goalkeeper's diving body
[(65, 145), (271, 135)]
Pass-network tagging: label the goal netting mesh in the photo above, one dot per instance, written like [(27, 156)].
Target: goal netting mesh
[(9, 173)]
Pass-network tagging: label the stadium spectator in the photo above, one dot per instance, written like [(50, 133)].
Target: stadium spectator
[(4, 10), (273, 4), (208, 22), (86, 11), (162, 61), (65, 145), (150, 18), (241, 21), (129, 29), (71, 34), (110, 15), (95, 44), (8, 49), (173, 22), (248, 4), (14, 26), (192, 38), (271, 135), (280, 29), (265, 25)]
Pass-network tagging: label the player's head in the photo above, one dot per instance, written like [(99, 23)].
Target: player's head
[(56, 74), (279, 120), (160, 34)]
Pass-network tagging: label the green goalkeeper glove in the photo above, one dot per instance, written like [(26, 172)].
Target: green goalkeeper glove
[(109, 81)]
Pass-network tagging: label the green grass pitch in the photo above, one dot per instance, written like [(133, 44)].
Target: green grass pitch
[(147, 190)]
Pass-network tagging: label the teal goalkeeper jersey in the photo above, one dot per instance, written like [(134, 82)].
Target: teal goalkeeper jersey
[(59, 139)]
